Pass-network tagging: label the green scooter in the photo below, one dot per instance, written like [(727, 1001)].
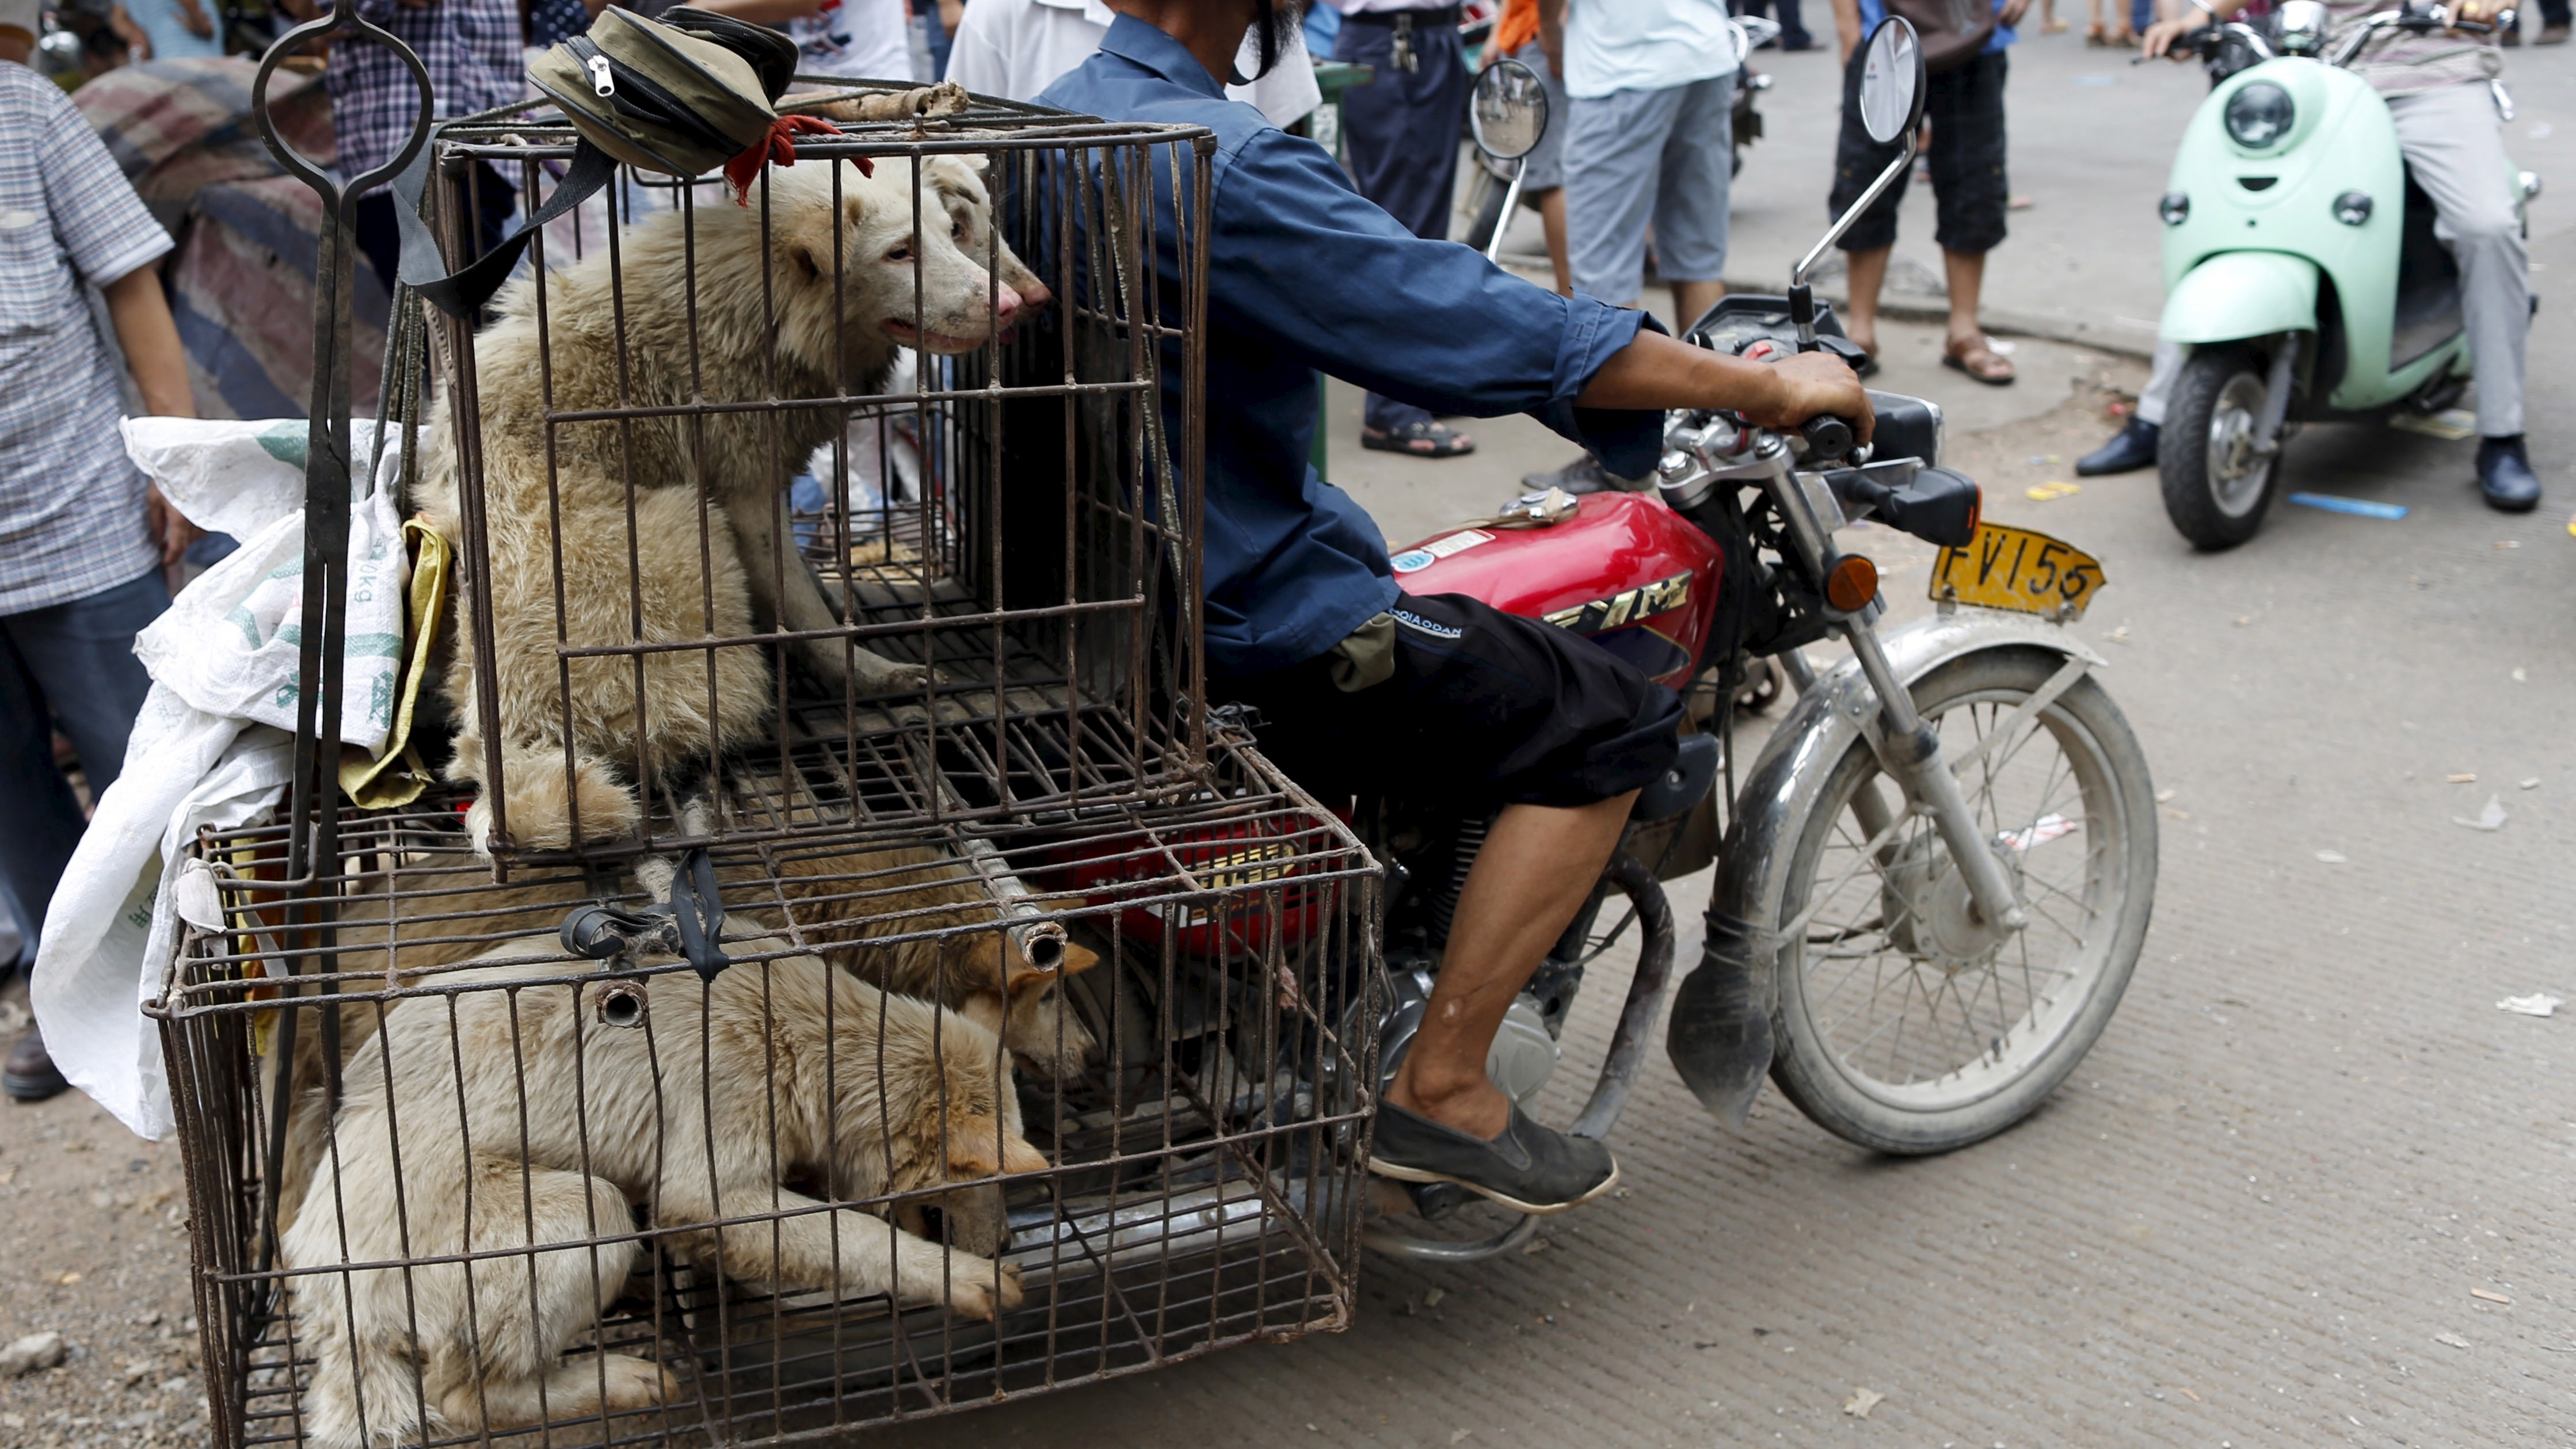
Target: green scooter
[(2302, 272)]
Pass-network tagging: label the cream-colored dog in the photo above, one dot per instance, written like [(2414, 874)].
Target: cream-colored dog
[(805, 294), (522, 1123)]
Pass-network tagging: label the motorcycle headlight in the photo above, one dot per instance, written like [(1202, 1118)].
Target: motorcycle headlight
[(2175, 209), (2259, 115), (2352, 208)]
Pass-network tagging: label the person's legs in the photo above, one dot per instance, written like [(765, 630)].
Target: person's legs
[(1536, 870), (1551, 216), (1793, 30), (1481, 709), (1543, 170), (1401, 134), (1857, 162), (2455, 149), (1690, 196), (75, 663), (2134, 446), (1614, 162), (1614, 148), (1966, 110)]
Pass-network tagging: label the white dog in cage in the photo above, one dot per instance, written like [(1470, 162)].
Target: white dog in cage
[(520, 1121), (597, 532)]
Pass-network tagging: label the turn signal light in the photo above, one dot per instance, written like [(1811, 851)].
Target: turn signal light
[(1851, 583), (2352, 208), (2174, 209)]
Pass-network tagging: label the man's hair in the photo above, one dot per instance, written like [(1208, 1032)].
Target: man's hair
[(1270, 26)]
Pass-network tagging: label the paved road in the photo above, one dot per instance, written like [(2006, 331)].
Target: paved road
[(2257, 1214)]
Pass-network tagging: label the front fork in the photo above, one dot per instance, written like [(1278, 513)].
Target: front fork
[(1908, 748)]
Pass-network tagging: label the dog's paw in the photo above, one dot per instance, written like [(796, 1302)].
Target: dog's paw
[(637, 1383), (978, 1291)]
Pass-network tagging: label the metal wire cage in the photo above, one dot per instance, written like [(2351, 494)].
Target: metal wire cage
[(946, 347), (527, 1196)]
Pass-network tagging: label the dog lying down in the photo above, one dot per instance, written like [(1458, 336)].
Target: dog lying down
[(465, 1141), (807, 296), (841, 903)]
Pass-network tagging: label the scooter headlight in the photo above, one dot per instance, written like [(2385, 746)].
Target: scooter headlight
[(2259, 115), (2352, 208), (2175, 209)]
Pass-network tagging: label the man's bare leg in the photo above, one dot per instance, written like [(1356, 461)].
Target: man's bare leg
[(1537, 867), (1551, 216), (1965, 273), (1867, 271), (1690, 299)]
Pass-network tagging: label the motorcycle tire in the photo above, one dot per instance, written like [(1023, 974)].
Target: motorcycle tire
[(2216, 489), (2005, 1016)]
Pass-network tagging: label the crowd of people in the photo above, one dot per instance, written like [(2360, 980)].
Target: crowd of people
[(1634, 177)]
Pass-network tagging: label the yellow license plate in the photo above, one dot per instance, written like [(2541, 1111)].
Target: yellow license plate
[(2018, 569)]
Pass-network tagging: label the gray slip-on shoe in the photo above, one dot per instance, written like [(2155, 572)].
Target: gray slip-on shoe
[(1530, 1168)]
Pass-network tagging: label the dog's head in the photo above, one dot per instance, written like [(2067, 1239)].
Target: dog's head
[(959, 180), (1031, 1011), (956, 1120), (905, 261)]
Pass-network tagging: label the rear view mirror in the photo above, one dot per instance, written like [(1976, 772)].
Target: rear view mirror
[(1892, 89), (1509, 112)]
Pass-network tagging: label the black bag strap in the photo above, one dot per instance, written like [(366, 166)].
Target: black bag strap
[(462, 293)]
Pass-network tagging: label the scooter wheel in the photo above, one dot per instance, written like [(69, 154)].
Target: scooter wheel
[(2216, 485)]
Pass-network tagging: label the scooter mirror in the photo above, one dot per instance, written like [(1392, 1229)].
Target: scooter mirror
[(1509, 113), (1892, 89)]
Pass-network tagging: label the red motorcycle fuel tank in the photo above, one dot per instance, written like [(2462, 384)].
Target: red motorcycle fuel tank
[(1638, 578)]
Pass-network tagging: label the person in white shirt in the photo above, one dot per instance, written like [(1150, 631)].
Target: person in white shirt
[(859, 39), (1017, 48), (1651, 88)]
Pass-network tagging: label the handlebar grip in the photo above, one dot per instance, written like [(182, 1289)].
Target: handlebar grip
[(1827, 436)]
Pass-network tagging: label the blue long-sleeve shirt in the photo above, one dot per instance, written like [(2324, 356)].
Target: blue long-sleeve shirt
[(1305, 275)]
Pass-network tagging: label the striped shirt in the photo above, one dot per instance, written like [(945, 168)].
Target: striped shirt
[(71, 504), (470, 48), (2398, 64)]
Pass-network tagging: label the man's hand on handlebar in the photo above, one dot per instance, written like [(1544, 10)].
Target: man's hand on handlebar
[(1813, 384), (1658, 372), (2158, 39)]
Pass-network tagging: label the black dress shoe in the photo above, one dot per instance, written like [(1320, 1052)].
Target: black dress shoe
[(1530, 1168), (2505, 477), (29, 1075), (2131, 448)]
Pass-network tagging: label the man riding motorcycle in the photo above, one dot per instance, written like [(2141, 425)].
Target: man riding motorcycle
[(2437, 91), (1362, 686)]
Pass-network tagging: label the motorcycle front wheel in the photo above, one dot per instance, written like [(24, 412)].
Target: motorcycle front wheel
[(2216, 485), (1905, 1023)]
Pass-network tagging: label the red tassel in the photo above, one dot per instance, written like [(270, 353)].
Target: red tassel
[(779, 146)]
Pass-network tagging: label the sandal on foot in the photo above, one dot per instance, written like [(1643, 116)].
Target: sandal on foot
[(1421, 440), (1972, 356)]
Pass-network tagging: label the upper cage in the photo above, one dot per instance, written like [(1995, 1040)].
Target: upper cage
[(841, 502)]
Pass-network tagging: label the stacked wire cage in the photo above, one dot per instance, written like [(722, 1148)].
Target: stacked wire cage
[(979, 1020)]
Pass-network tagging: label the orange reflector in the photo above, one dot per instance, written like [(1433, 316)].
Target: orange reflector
[(1851, 583), (1976, 513)]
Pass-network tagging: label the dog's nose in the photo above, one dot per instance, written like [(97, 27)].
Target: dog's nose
[(1035, 296), (1006, 306)]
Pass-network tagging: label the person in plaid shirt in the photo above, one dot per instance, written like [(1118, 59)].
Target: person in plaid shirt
[(83, 538), (472, 50)]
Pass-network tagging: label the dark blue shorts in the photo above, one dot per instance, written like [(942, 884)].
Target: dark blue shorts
[(1484, 709)]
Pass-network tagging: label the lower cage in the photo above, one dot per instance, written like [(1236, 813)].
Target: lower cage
[(451, 1182)]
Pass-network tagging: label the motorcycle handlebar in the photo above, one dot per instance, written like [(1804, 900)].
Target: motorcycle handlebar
[(1827, 436)]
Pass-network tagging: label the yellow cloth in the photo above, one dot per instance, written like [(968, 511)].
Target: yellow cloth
[(377, 784)]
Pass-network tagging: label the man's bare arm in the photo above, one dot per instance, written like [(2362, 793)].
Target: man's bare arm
[(1656, 372), (151, 342)]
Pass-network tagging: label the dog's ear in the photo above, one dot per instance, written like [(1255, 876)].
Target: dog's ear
[(1024, 977)]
